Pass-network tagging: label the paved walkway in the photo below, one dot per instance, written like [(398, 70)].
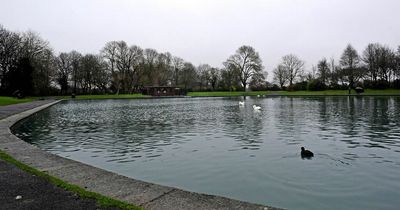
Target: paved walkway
[(6, 111), (144, 194)]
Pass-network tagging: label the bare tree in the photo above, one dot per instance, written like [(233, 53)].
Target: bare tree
[(127, 62), (150, 60), (177, 64), (84, 75), (136, 59), (75, 65), (371, 61), (163, 69), (203, 72), (9, 53), (380, 62), (93, 73), (229, 79), (33, 45), (64, 69), (40, 55), (323, 71), (349, 62), (293, 67), (258, 81), (386, 63), (280, 75), (335, 75), (123, 63), (214, 77), (245, 62), (45, 69), (19, 49), (188, 76), (101, 75), (310, 75), (109, 52), (397, 64)]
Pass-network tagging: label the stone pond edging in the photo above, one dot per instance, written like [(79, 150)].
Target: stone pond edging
[(144, 194)]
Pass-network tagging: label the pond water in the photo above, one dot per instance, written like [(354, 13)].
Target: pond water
[(215, 146)]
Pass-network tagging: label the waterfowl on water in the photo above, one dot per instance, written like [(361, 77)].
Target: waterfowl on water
[(306, 153), (255, 107), (241, 103)]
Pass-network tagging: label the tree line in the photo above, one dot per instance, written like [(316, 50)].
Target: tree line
[(378, 67), (30, 66)]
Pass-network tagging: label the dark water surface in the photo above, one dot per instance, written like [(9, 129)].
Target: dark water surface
[(215, 146)]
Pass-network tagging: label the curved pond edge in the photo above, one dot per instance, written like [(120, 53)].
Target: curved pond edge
[(140, 193)]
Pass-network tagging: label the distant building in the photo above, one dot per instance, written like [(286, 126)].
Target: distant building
[(163, 91)]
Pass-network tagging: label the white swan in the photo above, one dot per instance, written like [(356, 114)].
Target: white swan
[(255, 107), (241, 103)]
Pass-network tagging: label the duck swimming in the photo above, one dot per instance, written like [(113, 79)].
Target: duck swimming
[(306, 153)]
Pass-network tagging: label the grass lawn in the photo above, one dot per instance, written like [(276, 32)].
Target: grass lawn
[(5, 100), (294, 93)]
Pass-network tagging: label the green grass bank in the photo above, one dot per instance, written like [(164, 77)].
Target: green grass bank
[(5, 100)]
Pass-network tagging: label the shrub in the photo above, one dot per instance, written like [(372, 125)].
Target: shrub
[(379, 84), (396, 84), (338, 87), (316, 85), (299, 86), (274, 87)]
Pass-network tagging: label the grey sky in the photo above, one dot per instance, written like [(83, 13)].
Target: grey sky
[(208, 31)]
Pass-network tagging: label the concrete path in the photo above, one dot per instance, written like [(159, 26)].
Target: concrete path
[(6, 111), (147, 195)]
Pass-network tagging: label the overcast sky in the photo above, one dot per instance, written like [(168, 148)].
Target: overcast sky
[(208, 31)]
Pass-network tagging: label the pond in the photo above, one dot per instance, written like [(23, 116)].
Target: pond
[(216, 146)]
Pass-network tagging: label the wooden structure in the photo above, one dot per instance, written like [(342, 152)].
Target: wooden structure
[(163, 91)]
